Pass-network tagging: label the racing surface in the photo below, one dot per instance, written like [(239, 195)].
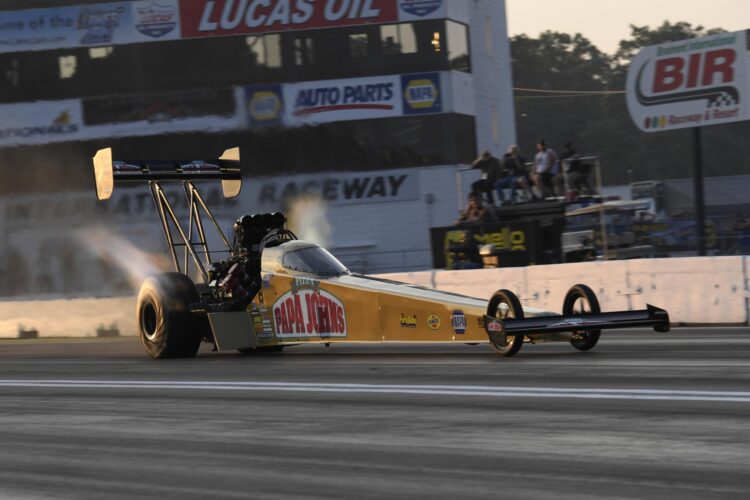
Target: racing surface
[(643, 415)]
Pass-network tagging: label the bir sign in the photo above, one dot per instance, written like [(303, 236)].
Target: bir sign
[(691, 83)]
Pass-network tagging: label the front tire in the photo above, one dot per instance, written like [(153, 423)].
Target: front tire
[(512, 310), (581, 299), (166, 326)]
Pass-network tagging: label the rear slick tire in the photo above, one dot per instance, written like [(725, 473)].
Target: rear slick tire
[(513, 310), (581, 299), (166, 326)]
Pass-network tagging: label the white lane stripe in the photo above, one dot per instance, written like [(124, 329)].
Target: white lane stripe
[(447, 390)]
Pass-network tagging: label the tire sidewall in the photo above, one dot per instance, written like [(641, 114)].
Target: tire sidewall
[(175, 331), (591, 338), (511, 300)]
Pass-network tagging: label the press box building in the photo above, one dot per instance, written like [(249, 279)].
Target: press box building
[(370, 105)]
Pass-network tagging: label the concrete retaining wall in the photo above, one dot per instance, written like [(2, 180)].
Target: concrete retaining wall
[(695, 290)]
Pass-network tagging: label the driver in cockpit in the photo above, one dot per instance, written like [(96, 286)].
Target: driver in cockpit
[(242, 279)]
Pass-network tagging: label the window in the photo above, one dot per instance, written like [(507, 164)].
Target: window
[(100, 52), (67, 66), (458, 46), (436, 46), (313, 260), (265, 50), (398, 39), (358, 45), (303, 51)]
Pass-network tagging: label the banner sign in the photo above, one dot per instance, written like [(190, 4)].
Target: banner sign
[(516, 244), (416, 10), (691, 83), (234, 17), (265, 105), (89, 25), (202, 18), (421, 94), (341, 100), (362, 98), (40, 122), (154, 20), (152, 108)]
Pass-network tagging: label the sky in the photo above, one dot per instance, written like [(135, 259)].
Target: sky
[(606, 22)]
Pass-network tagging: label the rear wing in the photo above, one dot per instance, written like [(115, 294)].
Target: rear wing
[(109, 172)]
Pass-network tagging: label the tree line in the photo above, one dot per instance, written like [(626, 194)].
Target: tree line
[(599, 124)]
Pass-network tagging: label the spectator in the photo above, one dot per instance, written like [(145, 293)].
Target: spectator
[(513, 175), (741, 230), (490, 168), (475, 212), (576, 172), (544, 169), (464, 253)]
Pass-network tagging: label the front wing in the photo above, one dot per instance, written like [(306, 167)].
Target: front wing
[(651, 316)]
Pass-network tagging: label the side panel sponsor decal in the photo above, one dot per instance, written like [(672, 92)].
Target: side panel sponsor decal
[(458, 320), (309, 313)]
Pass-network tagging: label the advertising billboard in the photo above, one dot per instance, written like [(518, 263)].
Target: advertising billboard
[(89, 25), (690, 83), (202, 18)]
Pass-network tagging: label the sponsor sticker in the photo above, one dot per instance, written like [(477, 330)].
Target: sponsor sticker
[(408, 320), (433, 321), (421, 93), (261, 323), (495, 327), (308, 313), (122, 168), (155, 20), (420, 8), (199, 167), (458, 320)]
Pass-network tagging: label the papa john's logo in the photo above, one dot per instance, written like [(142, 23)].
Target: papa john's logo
[(309, 313), (421, 93)]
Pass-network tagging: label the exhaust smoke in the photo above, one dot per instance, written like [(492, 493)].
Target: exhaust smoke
[(307, 218)]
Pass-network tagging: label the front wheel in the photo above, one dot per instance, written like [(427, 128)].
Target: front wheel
[(165, 324), (503, 305), (581, 299)]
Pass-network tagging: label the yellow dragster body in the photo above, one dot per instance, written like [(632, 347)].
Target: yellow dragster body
[(296, 306)]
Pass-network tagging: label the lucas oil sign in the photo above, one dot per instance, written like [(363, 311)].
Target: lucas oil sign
[(308, 312), (691, 83)]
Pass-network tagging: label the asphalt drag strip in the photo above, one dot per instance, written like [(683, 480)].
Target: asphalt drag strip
[(642, 416)]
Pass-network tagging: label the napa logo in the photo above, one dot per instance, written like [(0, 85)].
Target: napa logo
[(264, 105), (421, 93)]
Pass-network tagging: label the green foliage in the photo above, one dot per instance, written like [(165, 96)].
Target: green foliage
[(600, 124)]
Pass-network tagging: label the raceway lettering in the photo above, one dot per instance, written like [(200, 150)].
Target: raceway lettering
[(308, 313), (222, 17), (363, 188)]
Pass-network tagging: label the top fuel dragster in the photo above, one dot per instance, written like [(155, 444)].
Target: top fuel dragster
[(271, 290)]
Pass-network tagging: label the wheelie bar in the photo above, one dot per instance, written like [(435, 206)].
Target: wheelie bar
[(651, 316)]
